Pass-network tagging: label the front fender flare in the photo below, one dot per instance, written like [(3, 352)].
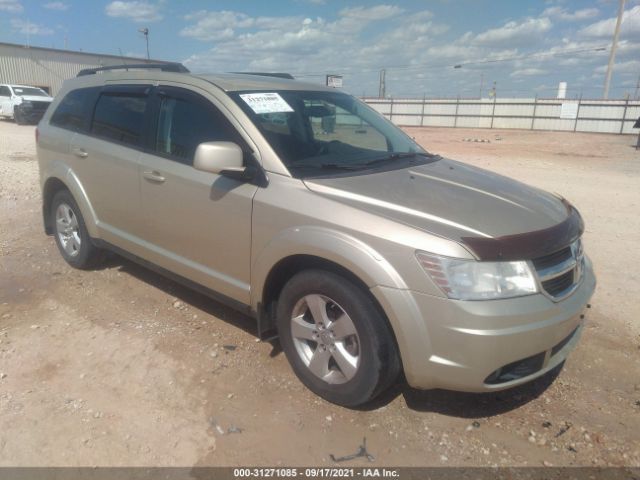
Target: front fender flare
[(338, 247)]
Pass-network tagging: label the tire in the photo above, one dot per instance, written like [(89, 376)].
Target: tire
[(350, 355), (71, 234), (18, 116)]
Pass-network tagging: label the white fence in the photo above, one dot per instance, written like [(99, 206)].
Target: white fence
[(582, 115)]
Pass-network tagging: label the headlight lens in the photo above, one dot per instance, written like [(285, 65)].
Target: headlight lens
[(472, 280)]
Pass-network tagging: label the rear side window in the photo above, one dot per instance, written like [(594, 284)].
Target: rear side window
[(120, 117), (73, 111), (184, 122)]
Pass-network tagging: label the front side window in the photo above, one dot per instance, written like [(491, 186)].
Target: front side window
[(4, 91), (73, 110), (316, 133), (186, 122), (120, 117)]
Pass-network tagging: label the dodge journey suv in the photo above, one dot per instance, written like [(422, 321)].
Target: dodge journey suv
[(309, 211)]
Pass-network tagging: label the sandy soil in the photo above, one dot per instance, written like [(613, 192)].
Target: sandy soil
[(119, 366)]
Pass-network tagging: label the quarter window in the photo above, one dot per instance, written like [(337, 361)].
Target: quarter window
[(120, 117), (72, 112), (185, 123)]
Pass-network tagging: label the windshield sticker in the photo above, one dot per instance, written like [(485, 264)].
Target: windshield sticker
[(266, 102)]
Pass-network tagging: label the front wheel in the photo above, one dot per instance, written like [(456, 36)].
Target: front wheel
[(18, 116), (336, 340)]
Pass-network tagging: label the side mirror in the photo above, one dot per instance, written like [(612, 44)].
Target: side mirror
[(223, 158)]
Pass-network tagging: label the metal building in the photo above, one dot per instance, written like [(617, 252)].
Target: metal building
[(47, 68)]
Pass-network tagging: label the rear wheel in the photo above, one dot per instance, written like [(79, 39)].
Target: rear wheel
[(337, 341), (71, 233)]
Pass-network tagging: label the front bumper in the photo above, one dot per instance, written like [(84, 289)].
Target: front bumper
[(480, 346), (31, 114)]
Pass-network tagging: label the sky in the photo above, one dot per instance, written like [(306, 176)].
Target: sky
[(436, 48)]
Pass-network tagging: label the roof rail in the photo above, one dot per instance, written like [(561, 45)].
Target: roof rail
[(288, 76), (165, 67)]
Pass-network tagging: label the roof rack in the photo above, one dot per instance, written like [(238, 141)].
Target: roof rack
[(288, 76), (165, 67)]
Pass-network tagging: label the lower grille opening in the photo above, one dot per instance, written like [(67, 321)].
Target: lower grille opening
[(516, 370), (562, 344)]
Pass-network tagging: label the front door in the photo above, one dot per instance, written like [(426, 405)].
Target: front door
[(197, 224)]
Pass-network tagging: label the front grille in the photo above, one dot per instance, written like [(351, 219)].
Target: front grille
[(559, 284), (552, 259), (40, 106), (560, 271)]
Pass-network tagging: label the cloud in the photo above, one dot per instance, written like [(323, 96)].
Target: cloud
[(562, 13), (379, 12), (11, 6), (630, 66), (61, 6), (137, 11), (28, 28), (528, 72), (514, 32), (604, 28)]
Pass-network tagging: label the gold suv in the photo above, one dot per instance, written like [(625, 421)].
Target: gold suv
[(306, 209)]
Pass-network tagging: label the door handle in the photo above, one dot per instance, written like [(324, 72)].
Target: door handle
[(154, 176), (80, 152)]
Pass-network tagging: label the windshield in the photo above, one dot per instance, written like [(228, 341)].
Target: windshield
[(36, 92), (316, 133)]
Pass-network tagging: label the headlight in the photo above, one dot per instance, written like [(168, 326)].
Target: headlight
[(472, 280)]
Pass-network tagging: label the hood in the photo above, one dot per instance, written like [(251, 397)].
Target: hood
[(455, 201), (35, 98)]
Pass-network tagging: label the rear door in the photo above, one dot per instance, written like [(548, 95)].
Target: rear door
[(197, 223), (107, 160)]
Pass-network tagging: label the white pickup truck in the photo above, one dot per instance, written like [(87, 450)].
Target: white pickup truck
[(23, 103)]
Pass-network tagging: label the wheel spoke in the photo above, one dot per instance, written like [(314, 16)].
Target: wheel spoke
[(302, 329), (342, 327), (68, 245), (347, 363), (73, 223), (75, 242), (318, 308), (66, 211), (61, 224), (319, 363)]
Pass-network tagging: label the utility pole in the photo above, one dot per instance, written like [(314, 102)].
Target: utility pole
[(481, 83), (145, 32), (612, 54), (382, 90)]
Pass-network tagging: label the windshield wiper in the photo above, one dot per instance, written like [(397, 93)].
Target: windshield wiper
[(397, 156), (329, 166)]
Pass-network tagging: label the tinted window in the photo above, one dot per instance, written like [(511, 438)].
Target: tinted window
[(72, 111), (4, 91), (185, 123), (120, 117)]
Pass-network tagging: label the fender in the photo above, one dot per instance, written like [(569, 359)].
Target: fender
[(338, 247), (384, 282), (61, 171)]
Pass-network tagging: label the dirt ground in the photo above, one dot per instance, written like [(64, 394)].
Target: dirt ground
[(119, 366)]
